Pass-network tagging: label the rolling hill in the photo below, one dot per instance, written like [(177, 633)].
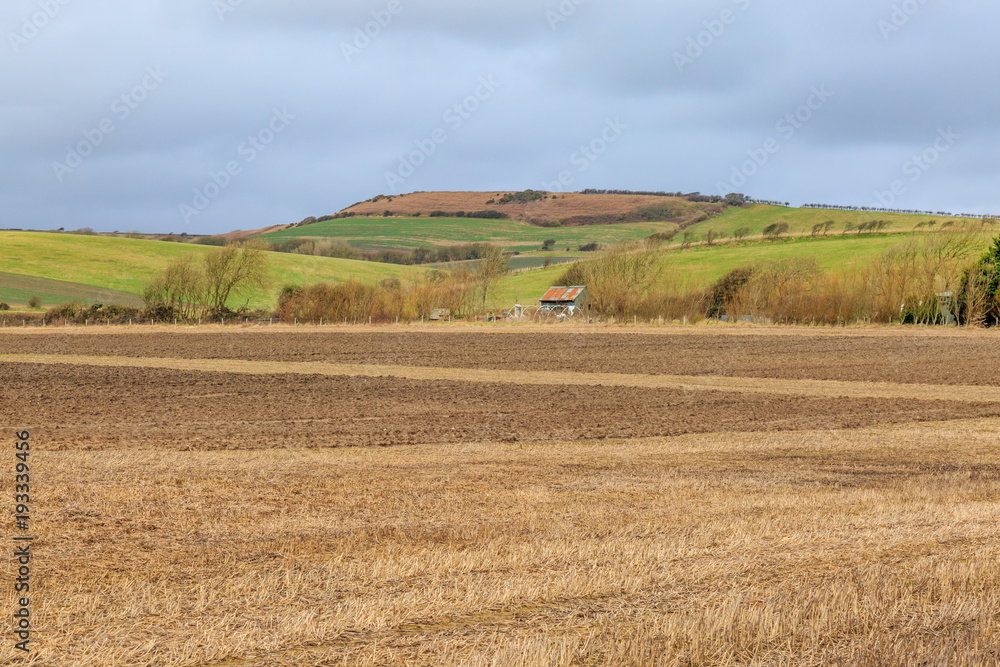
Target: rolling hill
[(66, 267)]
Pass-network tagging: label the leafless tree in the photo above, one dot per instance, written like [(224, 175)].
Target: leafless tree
[(237, 269)]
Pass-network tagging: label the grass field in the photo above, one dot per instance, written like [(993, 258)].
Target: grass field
[(408, 233), (527, 496), (126, 265), (17, 290), (801, 220), (700, 265), (94, 268)]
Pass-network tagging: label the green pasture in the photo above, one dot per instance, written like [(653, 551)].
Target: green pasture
[(801, 220), (699, 266), (409, 233), (127, 265)]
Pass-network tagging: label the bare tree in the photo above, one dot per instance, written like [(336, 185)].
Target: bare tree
[(181, 288), (235, 270), (492, 266)]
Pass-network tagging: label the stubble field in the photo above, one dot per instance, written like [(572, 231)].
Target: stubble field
[(508, 496)]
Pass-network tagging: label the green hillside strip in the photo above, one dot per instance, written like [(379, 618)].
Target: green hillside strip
[(127, 265), (409, 233), (17, 290), (801, 220)]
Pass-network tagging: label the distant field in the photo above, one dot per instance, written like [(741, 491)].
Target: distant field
[(16, 290), (127, 265), (408, 233), (801, 220)]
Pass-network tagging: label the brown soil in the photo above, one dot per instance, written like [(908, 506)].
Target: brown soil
[(899, 356), (85, 408), (512, 529)]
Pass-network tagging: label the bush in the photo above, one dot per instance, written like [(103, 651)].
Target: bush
[(358, 302), (210, 240), (81, 313), (741, 233), (4, 306), (978, 298), (35, 302), (576, 274), (725, 289), (775, 230), (662, 237), (590, 247), (655, 212), (523, 197)]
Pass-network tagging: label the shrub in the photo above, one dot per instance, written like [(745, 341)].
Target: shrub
[(547, 244), (35, 302), (741, 233), (662, 237), (358, 302), (655, 212), (522, 197), (576, 274), (4, 306), (725, 289), (978, 297), (775, 230), (210, 240), (80, 313)]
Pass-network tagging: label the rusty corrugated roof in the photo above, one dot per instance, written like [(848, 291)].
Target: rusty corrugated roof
[(563, 294)]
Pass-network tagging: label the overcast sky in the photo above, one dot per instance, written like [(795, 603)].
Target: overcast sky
[(202, 117)]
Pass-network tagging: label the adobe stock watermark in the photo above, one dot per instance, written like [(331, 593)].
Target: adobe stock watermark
[(901, 14), (915, 168), (562, 13), (121, 109), (786, 127), (714, 29), (223, 7), (455, 116), (587, 155), (247, 152), (366, 34), (33, 25)]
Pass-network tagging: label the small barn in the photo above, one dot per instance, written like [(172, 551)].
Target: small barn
[(563, 300)]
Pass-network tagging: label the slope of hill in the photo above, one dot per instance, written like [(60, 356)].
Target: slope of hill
[(17, 291), (802, 220), (571, 219), (698, 267), (409, 233), (126, 265), (540, 207)]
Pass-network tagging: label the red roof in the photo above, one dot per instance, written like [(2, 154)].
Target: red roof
[(563, 294)]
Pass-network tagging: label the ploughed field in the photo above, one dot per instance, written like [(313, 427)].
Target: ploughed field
[(523, 496)]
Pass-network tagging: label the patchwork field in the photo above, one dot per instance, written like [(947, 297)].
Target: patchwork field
[(508, 496)]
